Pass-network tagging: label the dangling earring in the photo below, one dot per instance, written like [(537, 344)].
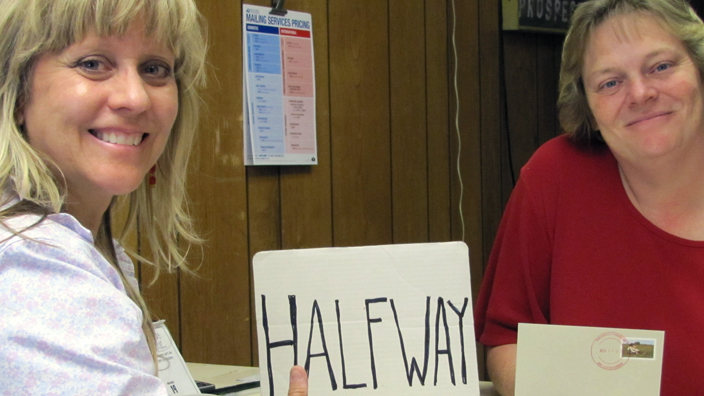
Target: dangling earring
[(152, 176)]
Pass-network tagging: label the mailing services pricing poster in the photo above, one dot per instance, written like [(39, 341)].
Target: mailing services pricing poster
[(279, 88), (392, 320)]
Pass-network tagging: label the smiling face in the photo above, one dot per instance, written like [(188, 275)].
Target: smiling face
[(643, 89), (102, 109)]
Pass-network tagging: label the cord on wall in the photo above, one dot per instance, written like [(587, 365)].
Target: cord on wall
[(457, 118)]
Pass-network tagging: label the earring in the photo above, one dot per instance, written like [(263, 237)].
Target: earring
[(152, 176)]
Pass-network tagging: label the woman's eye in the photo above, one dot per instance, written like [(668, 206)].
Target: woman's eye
[(609, 84), (90, 64), (157, 70), (662, 67)]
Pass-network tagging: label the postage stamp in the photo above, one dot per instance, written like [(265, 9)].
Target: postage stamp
[(639, 348)]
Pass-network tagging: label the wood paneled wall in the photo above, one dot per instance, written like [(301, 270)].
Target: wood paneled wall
[(390, 129)]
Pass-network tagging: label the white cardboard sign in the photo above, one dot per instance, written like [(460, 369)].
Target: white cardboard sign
[(375, 320)]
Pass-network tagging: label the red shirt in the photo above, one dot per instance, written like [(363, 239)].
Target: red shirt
[(573, 250)]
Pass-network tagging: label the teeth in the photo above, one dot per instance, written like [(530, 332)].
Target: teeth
[(130, 139)]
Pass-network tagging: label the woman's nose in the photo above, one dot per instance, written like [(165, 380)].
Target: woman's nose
[(642, 90), (129, 93)]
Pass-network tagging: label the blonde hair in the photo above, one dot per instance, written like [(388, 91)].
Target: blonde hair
[(676, 16), (30, 28)]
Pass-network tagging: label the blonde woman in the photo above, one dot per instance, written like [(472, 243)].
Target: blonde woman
[(99, 102)]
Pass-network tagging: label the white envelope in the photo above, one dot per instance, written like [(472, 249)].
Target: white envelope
[(577, 360)]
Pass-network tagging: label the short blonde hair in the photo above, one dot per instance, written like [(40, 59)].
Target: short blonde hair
[(676, 16), (30, 28)]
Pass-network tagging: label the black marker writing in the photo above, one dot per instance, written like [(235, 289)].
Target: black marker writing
[(342, 352), (414, 363), (413, 367), (271, 345), (316, 313), (369, 333), (460, 314), (448, 351)]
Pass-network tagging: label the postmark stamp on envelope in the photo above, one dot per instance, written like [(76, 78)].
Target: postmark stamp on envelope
[(607, 350)]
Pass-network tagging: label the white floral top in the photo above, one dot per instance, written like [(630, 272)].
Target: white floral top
[(67, 326)]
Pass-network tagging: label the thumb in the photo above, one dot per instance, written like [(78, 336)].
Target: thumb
[(298, 382)]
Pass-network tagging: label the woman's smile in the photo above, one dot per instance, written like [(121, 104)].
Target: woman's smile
[(659, 116), (118, 137)]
